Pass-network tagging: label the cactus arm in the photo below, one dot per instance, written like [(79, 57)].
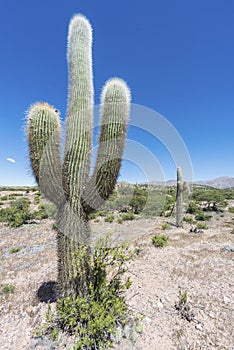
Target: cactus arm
[(44, 136), (115, 107), (80, 109)]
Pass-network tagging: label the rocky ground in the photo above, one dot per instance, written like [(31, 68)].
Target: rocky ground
[(201, 265)]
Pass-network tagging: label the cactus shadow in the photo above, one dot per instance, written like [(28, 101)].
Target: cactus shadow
[(48, 292)]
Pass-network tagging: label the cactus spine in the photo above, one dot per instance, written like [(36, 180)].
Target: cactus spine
[(181, 189), (67, 182)]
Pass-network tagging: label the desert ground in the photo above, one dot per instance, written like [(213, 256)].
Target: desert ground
[(199, 264)]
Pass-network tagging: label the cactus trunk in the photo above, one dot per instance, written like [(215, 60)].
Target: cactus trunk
[(179, 199), (67, 182)]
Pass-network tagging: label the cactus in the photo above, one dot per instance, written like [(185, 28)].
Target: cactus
[(66, 181), (182, 187)]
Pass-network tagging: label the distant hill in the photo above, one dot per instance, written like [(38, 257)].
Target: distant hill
[(220, 182)]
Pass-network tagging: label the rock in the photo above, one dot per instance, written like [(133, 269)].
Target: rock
[(228, 248), (160, 305), (226, 299), (30, 310), (199, 327)]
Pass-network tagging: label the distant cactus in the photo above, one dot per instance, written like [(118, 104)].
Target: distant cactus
[(182, 188), (67, 183)]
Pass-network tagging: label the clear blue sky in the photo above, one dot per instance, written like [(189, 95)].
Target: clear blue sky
[(176, 56)]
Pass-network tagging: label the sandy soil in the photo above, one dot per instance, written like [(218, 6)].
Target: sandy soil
[(200, 264)]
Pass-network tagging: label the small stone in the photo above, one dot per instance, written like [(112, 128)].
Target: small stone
[(226, 299), (147, 319), (199, 327), (30, 310), (160, 305)]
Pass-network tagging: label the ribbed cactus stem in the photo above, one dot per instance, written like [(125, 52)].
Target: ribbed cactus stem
[(179, 198)]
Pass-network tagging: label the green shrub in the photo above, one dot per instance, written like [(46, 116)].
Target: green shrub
[(37, 199), (170, 200), (188, 219), (166, 226), (15, 250), (138, 200), (14, 195), (231, 210), (202, 226), (17, 214), (4, 198), (159, 241), (127, 216), (102, 213), (109, 218), (54, 227), (201, 216), (40, 214), (94, 319), (192, 208), (93, 216), (6, 289), (50, 209)]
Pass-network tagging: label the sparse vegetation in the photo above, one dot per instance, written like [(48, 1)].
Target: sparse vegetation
[(202, 226), (95, 319), (160, 241), (188, 219), (166, 226), (15, 250), (109, 218), (201, 216), (6, 289), (127, 216), (17, 213)]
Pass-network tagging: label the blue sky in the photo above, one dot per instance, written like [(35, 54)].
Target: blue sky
[(176, 56)]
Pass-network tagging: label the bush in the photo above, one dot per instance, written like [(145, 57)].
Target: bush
[(4, 198), (6, 289), (201, 216), (192, 208), (109, 218), (40, 214), (37, 199), (231, 210), (202, 226), (165, 226), (188, 219), (127, 216), (93, 216), (138, 200), (15, 250), (94, 319), (159, 241), (17, 214)]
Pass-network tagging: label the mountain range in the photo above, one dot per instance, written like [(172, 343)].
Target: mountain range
[(219, 182)]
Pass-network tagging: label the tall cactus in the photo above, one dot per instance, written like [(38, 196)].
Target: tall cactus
[(182, 187), (67, 182)]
